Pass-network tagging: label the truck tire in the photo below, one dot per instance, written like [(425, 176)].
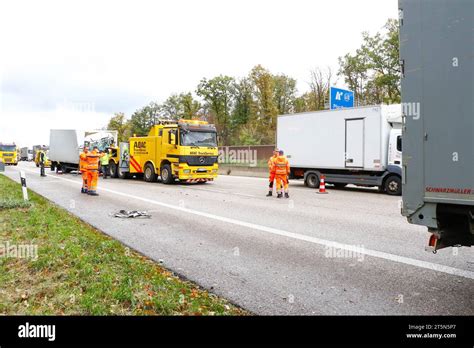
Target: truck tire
[(113, 169), (122, 175), (149, 174), (393, 185), (312, 180), (166, 175)]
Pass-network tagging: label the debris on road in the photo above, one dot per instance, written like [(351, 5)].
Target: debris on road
[(132, 214)]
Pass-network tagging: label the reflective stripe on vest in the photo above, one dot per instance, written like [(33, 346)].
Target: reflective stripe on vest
[(92, 161), (281, 165)]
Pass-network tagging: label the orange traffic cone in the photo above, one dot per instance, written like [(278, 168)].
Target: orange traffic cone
[(322, 185)]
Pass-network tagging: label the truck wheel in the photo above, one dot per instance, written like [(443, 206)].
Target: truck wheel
[(393, 185), (37, 165), (122, 175), (149, 174), (166, 175), (113, 169), (312, 180)]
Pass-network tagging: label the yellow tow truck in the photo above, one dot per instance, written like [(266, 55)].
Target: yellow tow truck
[(184, 151), (9, 154)]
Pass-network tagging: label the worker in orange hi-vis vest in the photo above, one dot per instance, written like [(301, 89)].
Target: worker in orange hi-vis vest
[(271, 177), (93, 171), (282, 171), (83, 169)]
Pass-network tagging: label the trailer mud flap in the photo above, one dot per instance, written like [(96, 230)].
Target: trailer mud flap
[(455, 227)]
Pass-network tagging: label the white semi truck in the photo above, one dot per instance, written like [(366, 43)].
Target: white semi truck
[(65, 145), (360, 146), (24, 154)]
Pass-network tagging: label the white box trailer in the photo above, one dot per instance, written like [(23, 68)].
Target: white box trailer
[(360, 146), (24, 154), (65, 145)]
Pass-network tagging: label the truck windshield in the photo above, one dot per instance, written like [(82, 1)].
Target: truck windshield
[(7, 148), (191, 138)]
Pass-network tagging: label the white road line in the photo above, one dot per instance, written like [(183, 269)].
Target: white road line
[(297, 236)]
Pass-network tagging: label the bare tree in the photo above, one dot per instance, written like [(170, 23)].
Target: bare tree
[(320, 81)]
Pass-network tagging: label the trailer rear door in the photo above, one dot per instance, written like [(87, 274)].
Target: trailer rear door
[(354, 143)]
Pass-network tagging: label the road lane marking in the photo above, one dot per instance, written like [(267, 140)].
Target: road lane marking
[(297, 236)]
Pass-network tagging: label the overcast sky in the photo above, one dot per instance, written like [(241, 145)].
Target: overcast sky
[(72, 64)]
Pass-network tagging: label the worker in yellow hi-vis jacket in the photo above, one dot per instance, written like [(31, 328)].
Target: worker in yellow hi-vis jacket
[(104, 163)]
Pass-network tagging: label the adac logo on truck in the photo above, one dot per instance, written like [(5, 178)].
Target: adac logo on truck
[(139, 148)]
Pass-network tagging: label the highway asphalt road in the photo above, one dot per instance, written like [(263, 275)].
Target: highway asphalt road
[(347, 252)]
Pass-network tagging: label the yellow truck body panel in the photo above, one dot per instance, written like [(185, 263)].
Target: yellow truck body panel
[(47, 163)]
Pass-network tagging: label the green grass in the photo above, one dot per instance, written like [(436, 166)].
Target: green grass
[(80, 271), (9, 203)]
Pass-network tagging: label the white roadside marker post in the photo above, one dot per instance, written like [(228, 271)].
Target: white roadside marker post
[(23, 185)]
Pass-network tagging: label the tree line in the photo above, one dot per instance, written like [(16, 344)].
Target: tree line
[(245, 109)]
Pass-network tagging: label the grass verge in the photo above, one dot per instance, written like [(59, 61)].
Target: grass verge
[(80, 271)]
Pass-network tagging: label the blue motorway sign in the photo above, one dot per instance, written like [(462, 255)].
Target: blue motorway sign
[(340, 98)]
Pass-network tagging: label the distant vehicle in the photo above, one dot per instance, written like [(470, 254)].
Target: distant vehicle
[(30, 155), (24, 154), (436, 52), (65, 145), (183, 151), (9, 154), (36, 155), (360, 146)]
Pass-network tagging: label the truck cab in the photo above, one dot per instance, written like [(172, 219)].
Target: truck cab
[(185, 151), (395, 148), (8, 154)]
